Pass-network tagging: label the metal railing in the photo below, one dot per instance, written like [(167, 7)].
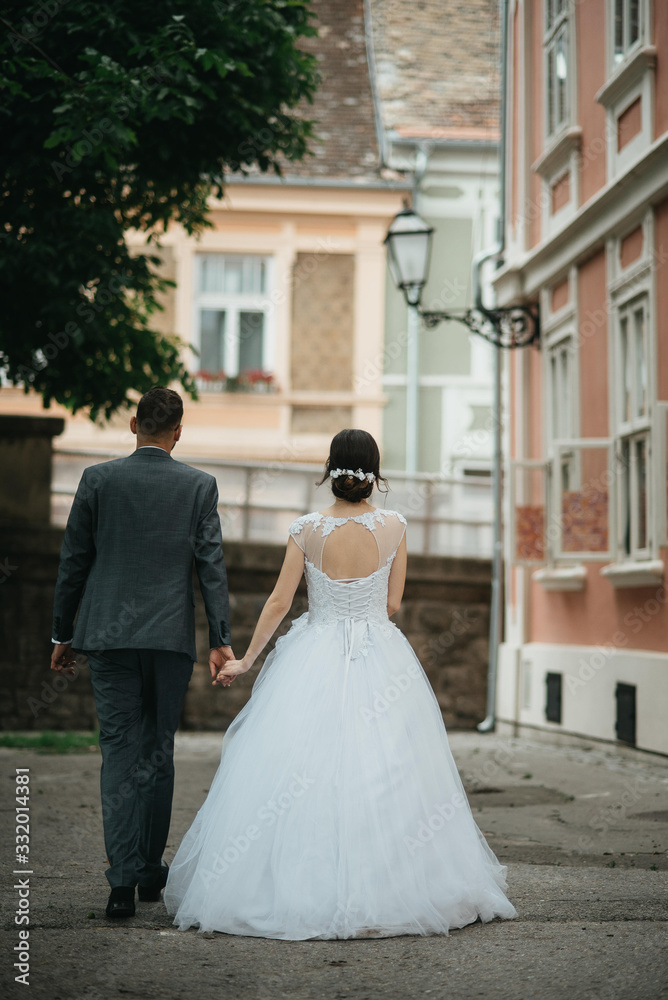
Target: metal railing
[(446, 515)]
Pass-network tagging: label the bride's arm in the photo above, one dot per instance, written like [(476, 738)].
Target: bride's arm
[(395, 586), (277, 606)]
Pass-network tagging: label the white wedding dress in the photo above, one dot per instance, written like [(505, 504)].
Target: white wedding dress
[(337, 810)]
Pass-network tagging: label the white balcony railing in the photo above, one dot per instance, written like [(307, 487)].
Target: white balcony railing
[(446, 515)]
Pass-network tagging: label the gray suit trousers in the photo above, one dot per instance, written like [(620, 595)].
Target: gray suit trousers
[(139, 695)]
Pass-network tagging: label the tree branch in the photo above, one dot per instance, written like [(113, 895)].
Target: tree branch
[(37, 48)]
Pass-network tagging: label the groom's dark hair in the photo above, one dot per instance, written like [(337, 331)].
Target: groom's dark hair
[(158, 411)]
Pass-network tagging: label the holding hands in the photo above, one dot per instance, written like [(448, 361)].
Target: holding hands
[(231, 670), (224, 667)]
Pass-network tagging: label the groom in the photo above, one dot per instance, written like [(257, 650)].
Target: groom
[(136, 527)]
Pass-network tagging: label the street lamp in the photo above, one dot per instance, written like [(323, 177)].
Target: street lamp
[(408, 244)]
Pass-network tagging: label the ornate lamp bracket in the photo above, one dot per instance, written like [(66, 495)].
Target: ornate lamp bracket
[(511, 326)]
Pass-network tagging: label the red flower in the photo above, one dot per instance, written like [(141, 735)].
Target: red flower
[(254, 375), (207, 376)]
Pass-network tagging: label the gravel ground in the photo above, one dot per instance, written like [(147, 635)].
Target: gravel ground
[(582, 826)]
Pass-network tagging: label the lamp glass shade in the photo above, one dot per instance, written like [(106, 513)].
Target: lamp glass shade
[(409, 242)]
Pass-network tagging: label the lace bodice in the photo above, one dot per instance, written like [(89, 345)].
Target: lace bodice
[(361, 599)]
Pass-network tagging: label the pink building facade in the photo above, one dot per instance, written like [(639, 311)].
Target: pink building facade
[(586, 237)]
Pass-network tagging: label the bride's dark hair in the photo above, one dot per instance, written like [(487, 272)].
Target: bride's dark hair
[(353, 449)]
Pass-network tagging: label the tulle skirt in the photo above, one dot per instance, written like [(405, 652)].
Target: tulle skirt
[(337, 810)]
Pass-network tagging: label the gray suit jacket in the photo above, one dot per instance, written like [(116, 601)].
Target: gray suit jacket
[(136, 527)]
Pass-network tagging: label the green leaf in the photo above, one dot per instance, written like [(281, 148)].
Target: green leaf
[(159, 109)]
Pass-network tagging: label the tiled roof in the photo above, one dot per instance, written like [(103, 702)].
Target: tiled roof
[(437, 77), (437, 67), (343, 104)]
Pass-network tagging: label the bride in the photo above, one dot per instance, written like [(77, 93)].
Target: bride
[(337, 810)]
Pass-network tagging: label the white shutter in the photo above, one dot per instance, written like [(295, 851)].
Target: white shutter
[(658, 507)]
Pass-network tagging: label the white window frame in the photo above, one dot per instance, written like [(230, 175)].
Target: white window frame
[(563, 444), (631, 507), (625, 314), (628, 288), (559, 335), (628, 49), (557, 26), (561, 146), (233, 304), (574, 449), (562, 425), (630, 78), (559, 330), (634, 429), (660, 472)]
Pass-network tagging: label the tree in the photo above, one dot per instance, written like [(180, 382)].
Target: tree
[(121, 116)]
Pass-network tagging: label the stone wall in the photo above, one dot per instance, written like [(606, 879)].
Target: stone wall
[(31, 696), (445, 615), (26, 456)]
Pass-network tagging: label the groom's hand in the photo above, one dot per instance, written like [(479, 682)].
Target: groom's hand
[(231, 670), (218, 657), (62, 660)]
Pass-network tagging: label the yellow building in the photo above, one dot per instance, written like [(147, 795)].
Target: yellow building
[(289, 282)]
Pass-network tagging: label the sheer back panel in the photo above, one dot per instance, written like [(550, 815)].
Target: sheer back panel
[(349, 548)]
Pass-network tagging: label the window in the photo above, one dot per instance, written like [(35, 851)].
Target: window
[(633, 436), (561, 359), (628, 95), (538, 487), (627, 26), (579, 501), (555, 8), (556, 67), (232, 315)]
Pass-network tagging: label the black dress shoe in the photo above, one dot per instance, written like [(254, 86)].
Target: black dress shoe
[(151, 893), (121, 902)]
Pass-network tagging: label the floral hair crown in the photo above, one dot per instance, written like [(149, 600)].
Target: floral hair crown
[(335, 473)]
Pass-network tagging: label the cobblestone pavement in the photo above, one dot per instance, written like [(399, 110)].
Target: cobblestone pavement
[(582, 826)]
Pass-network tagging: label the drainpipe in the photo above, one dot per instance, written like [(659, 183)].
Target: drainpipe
[(381, 137), (496, 610), (413, 340)]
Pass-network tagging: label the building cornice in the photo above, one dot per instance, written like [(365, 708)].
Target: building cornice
[(433, 144), (626, 75), (291, 397), (295, 181), (644, 182), (558, 151), (273, 201)]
